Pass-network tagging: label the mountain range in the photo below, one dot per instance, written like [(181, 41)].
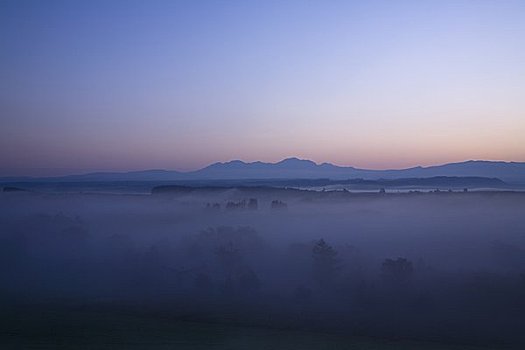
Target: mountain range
[(294, 168)]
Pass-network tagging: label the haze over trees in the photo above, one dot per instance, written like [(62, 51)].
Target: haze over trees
[(414, 266)]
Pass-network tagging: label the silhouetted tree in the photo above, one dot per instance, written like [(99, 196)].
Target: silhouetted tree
[(229, 257), (398, 270), (249, 281), (277, 204), (236, 205), (228, 288), (202, 282), (325, 262), (253, 204)]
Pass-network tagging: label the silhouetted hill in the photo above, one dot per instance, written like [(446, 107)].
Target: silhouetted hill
[(437, 182), (442, 182), (143, 175), (294, 168), (297, 168)]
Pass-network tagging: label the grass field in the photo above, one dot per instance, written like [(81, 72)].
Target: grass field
[(116, 330)]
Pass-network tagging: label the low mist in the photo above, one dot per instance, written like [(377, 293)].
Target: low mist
[(447, 267)]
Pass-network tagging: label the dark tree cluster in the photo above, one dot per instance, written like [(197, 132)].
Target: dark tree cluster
[(277, 204), (231, 272)]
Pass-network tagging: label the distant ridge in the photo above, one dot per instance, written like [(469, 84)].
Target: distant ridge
[(435, 183), (295, 168)]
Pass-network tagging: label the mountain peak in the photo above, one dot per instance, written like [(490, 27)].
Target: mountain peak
[(236, 162), (296, 161), (231, 163), (297, 168)]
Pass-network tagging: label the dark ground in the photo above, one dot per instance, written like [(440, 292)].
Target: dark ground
[(102, 329)]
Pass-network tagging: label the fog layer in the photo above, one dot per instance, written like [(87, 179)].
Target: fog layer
[(439, 266)]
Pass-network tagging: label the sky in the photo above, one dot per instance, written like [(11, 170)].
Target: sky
[(129, 85)]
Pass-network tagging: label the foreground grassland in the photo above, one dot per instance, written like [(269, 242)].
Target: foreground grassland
[(118, 330)]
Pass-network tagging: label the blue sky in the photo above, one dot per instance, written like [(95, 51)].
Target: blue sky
[(124, 85)]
